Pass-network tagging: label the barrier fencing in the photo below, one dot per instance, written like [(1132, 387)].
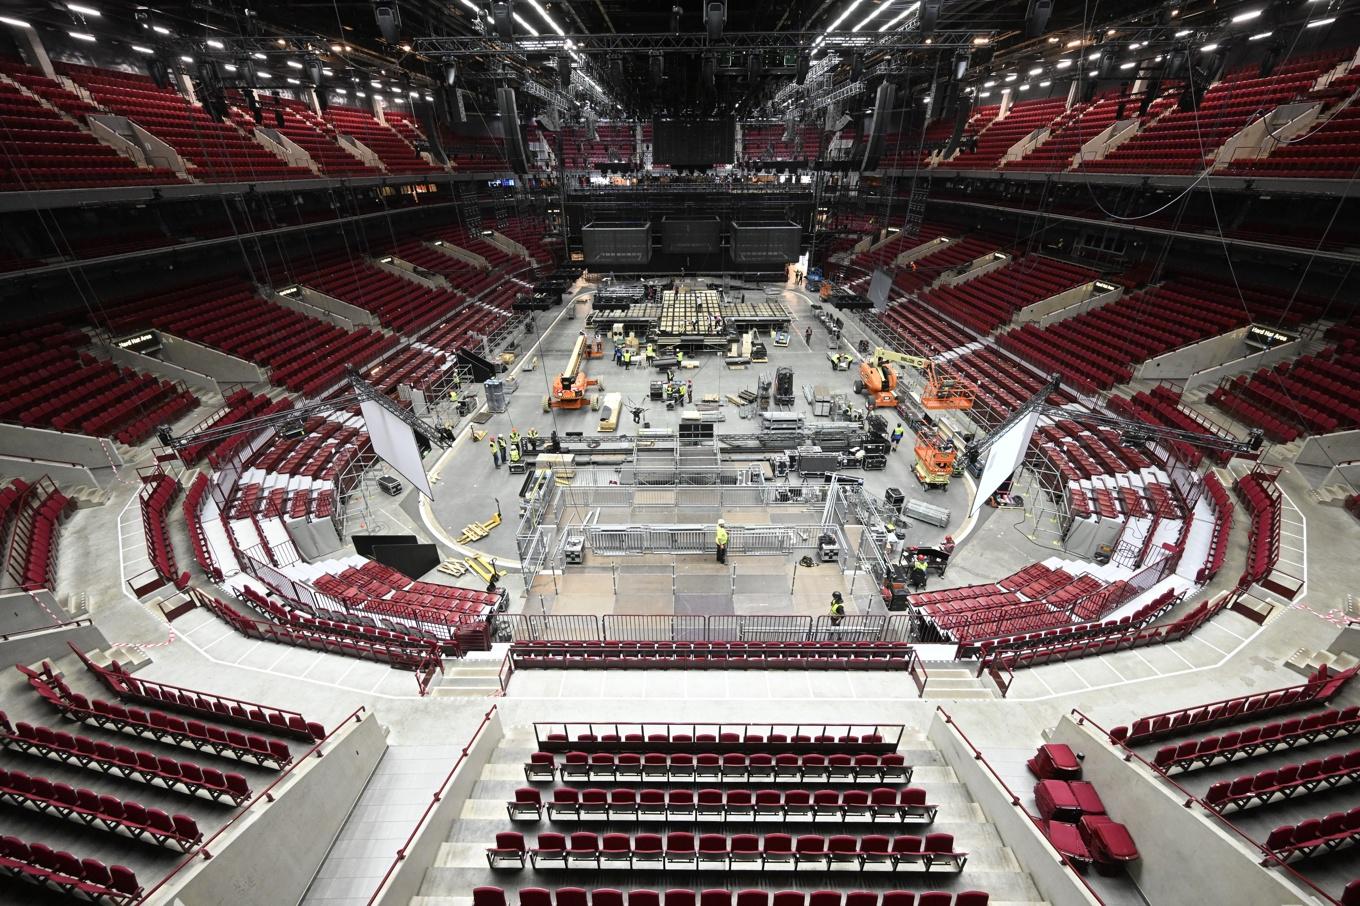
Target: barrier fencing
[(519, 627)]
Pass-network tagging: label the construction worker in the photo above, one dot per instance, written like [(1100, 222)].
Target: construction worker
[(453, 395), (627, 359), (918, 572), (897, 434), (500, 445), (533, 438), (720, 539), (837, 608), (514, 452), (618, 356), (807, 335), (679, 358), (651, 352), (689, 391), (495, 452), (514, 437)]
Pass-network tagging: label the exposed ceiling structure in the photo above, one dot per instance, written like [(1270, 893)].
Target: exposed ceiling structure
[(684, 57)]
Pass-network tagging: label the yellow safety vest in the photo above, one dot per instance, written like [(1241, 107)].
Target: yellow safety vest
[(720, 536)]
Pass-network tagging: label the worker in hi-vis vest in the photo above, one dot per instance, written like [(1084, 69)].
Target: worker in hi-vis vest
[(720, 538)]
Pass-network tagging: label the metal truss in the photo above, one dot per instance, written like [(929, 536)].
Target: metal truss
[(694, 42)]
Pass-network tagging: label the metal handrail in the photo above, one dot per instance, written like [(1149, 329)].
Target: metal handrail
[(267, 794), (434, 801), (1191, 799), (1015, 801), (81, 621)]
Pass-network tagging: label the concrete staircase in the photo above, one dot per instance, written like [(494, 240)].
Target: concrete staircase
[(950, 683), (466, 678), (461, 861)]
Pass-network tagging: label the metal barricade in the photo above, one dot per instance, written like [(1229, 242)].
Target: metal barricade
[(525, 627), (632, 627), (759, 628), (853, 627)]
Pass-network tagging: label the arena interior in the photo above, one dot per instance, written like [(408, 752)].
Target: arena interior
[(718, 453)]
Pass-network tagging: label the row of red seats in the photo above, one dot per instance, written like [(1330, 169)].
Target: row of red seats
[(387, 652), (1318, 836), (713, 896), (1069, 133), (61, 872), (993, 299), (1299, 779), (155, 725), (842, 738), (398, 303), (1318, 690), (36, 538), (729, 767), (1222, 506), (712, 655), (193, 517), (1076, 634), (120, 761), (106, 813), (1261, 496), (1000, 135), (157, 495), (337, 624), (392, 149), (1313, 393), (217, 152), (924, 271), (206, 705), (718, 852), (745, 806), (1295, 732)]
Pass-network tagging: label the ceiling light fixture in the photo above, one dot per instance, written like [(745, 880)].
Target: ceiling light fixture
[(1315, 23), (1259, 35), (1024, 86), (1209, 48), (899, 17), (1128, 65), (1036, 70), (16, 23), (1063, 64), (543, 13), (140, 49), (160, 29), (84, 10), (294, 64), (294, 82), (1247, 16), (186, 59), (1045, 83), (82, 36), (216, 45)]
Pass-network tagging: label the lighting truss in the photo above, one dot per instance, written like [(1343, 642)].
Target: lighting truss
[(694, 42)]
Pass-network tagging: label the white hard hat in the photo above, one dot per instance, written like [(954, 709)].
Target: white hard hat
[(721, 522)]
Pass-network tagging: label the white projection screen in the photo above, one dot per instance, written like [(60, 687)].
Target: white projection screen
[(879, 286), (1004, 458), (395, 443)]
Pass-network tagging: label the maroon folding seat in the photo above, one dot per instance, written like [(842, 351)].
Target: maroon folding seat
[(810, 849), (510, 848), (649, 848), (898, 898), (572, 896), (644, 898), (678, 897), (527, 804), (934, 898), (535, 896), (861, 898), (680, 848), (712, 851), (750, 897), (713, 897), (604, 896), (489, 896), (795, 898)]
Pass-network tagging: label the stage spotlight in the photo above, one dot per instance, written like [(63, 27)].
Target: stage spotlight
[(312, 65), (1036, 18), (676, 12), (503, 17), (715, 18), (388, 17)]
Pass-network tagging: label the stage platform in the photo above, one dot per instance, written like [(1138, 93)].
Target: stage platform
[(687, 313)]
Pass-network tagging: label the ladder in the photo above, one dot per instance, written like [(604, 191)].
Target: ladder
[(916, 203)]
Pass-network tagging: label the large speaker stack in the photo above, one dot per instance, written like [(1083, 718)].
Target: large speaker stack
[(514, 135), (883, 105)]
